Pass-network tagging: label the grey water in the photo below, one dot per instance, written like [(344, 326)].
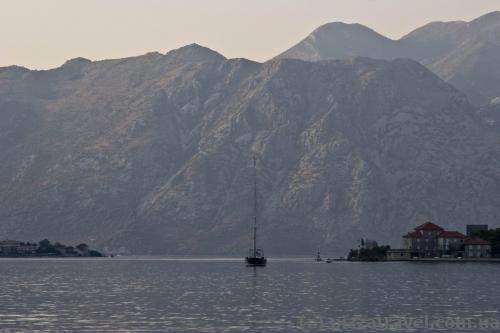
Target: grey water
[(154, 294)]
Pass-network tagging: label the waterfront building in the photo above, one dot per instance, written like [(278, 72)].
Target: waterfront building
[(12, 248), (477, 248), (401, 254), (450, 242), (9, 247), (27, 248), (430, 240), (423, 240)]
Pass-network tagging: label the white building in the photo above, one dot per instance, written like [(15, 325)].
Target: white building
[(12, 247), (477, 248)]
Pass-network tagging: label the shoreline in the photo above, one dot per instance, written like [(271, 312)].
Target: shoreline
[(495, 260), (237, 259)]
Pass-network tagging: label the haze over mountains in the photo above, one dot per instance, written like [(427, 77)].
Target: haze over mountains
[(153, 153), (465, 54)]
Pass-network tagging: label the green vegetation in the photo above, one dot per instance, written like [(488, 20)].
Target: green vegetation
[(377, 253), (46, 248), (94, 253), (492, 236)]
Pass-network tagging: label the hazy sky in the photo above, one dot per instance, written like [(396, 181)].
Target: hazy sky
[(43, 34)]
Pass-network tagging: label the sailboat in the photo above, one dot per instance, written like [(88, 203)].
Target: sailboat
[(255, 256)]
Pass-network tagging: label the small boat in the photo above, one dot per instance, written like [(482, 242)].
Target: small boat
[(328, 260), (255, 256), (318, 256)]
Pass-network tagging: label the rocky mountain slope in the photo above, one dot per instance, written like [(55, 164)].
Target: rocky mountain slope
[(490, 114), (464, 54), (153, 153)]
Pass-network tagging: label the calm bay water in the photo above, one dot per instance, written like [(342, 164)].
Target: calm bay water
[(222, 295)]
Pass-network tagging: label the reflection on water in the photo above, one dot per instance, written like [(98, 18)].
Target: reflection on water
[(223, 295)]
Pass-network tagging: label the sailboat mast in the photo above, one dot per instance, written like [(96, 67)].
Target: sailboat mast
[(255, 206)]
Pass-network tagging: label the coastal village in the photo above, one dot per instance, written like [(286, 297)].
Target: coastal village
[(430, 241), (427, 241), (44, 248)]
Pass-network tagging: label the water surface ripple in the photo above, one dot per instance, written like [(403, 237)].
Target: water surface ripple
[(222, 295)]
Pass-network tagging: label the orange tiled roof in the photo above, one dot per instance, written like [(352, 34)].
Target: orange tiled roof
[(476, 241), (429, 226), (451, 234)]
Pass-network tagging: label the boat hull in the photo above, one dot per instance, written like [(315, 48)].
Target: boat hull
[(256, 261)]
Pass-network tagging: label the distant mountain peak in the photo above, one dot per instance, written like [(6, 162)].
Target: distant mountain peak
[(343, 27), (338, 25), (194, 53), (487, 20), (462, 53), (14, 68), (495, 15), (77, 62), (338, 40)]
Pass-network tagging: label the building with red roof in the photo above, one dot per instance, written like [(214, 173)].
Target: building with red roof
[(423, 240), (477, 248), (450, 241), (431, 240), (429, 226)]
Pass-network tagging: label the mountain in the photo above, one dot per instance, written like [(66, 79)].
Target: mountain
[(339, 40), (154, 153), (464, 54), (490, 114)]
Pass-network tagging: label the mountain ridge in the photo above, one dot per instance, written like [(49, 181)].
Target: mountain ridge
[(153, 155), (438, 45)]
